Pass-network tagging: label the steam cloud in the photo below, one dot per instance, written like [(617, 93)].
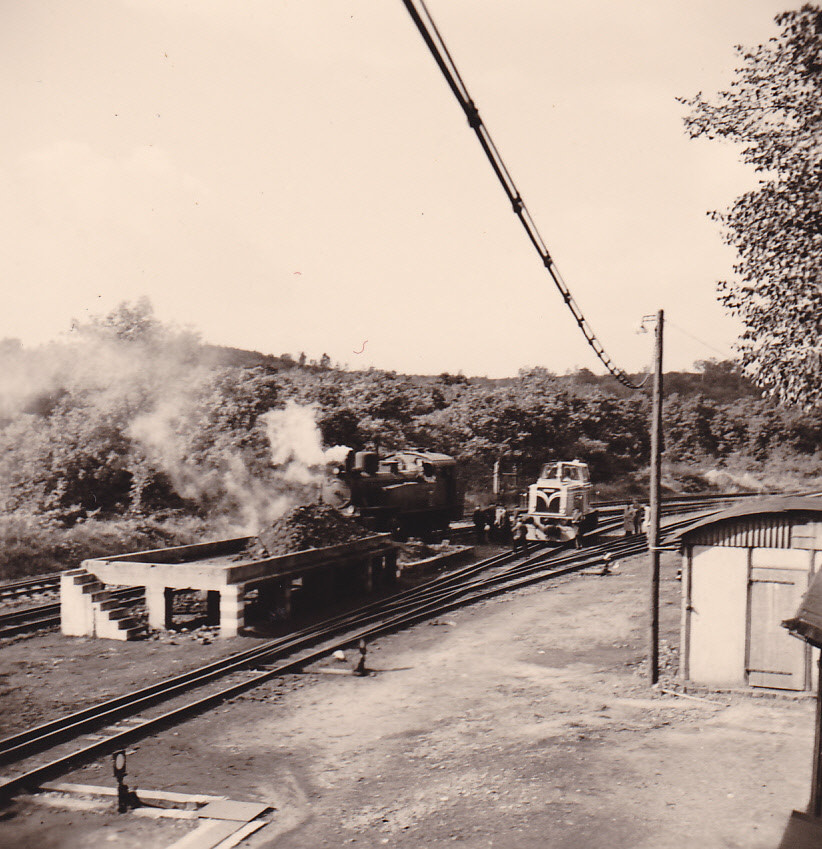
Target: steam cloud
[(237, 498), (296, 444), (154, 386)]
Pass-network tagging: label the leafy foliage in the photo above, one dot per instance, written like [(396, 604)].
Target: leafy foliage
[(772, 110), (136, 419)]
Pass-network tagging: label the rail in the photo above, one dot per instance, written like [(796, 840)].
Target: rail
[(48, 615), (115, 720)]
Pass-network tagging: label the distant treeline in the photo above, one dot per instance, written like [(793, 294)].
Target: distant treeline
[(134, 418)]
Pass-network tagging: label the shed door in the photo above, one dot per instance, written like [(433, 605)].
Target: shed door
[(716, 615), (775, 658)]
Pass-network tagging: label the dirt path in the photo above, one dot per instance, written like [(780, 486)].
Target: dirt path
[(520, 722)]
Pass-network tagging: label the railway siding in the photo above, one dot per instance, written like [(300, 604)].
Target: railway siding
[(23, 754)]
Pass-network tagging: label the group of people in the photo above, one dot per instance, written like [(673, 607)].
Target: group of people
[(635, 518), (492, 524)]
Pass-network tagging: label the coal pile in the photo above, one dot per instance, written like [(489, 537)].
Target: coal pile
[(253, 550), (309, 526)]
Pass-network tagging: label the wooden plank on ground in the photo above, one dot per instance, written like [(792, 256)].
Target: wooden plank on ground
[(146, 795), (208, 835), (241, 834), (236, 811)]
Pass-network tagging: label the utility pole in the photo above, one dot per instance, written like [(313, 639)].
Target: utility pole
[(653, 529)]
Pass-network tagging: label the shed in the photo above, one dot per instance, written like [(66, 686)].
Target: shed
[(744, 571)]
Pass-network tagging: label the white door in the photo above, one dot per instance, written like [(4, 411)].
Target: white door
[(716, 615)]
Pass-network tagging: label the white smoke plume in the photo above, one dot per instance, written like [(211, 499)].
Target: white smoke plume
[(297, 452), (235, 499), (154, 384), (723, 479), (238, 500)]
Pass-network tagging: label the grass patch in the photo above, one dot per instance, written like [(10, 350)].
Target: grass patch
[(31, 545)]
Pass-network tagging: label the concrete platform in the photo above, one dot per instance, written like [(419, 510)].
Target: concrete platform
[(221, 569)]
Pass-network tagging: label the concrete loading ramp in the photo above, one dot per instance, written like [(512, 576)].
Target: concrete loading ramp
[(225, 574)]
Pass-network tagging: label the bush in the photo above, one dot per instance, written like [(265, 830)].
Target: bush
[(32, 545)]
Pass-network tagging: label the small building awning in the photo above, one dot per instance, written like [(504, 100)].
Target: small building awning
[(750, 507), (807, 624)]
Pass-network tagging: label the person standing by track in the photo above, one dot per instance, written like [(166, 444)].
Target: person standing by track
[(576, 528), (636, 512), (628, 520), (520, 534), (501, 525), (479, 526)]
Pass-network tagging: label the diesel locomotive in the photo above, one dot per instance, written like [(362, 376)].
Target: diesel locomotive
[(411, 492), (560, 502)]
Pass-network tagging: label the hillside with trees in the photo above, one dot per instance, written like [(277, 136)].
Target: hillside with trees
[(134, 433)]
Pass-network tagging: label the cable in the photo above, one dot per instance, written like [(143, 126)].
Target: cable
[(431, 36), (697, 339)]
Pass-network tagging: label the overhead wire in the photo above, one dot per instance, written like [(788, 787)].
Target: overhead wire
[(435, 43), (697, 339)]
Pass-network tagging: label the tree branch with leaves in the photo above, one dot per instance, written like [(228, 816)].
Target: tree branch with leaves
[(773, 110)]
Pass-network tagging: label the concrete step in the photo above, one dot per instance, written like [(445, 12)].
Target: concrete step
[(92, 586), (84, 579), (71, 573), (99, 596), (109, 604), (120, 629), (118, 634), (118, 613)]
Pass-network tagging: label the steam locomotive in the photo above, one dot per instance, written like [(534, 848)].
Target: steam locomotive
[(410, 492)]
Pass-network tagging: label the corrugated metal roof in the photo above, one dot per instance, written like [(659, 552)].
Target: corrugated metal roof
[(768, 530), (755, 522)]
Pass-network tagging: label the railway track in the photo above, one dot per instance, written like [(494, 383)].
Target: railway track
[(48, 615), (40, 753), (42, 583), (51, 581), (680, 502)]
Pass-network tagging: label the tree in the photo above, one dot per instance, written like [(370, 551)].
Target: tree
[(772, 109)]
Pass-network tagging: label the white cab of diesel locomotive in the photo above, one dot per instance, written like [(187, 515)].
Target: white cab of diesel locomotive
[(562, 489)]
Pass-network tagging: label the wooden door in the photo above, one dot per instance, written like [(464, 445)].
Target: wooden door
[(775, 658), (716, 604)]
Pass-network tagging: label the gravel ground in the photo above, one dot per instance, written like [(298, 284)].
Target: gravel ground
[(524, 721)]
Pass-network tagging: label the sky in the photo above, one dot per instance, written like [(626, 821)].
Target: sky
[(295, 175)]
